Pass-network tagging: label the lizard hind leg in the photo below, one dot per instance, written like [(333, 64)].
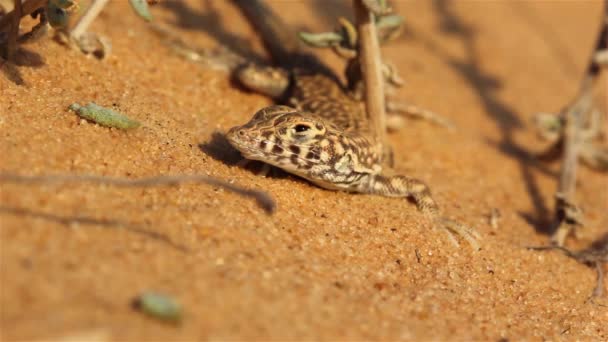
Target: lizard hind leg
[(270, 81), (402, 186), (397, 109)]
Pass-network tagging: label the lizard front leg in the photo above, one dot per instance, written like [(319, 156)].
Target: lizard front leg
[(402, 186)]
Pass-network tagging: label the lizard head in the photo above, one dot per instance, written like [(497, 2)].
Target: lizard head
[(285, 137), (308, 146)]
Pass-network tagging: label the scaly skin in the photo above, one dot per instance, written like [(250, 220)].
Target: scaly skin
[(325, 138), (324, 135)]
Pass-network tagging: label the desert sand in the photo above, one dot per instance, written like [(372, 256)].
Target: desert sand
[(327, 265)]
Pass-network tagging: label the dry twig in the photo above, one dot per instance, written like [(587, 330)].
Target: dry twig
[(567, 214), (262, 198), (13, 33), (595, 256), (27, 8), (87, 18), (371, 69)]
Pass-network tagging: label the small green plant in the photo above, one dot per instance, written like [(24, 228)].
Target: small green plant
[(57, 14), (104, 116)]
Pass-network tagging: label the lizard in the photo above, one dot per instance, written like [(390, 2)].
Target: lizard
[(323, 135)]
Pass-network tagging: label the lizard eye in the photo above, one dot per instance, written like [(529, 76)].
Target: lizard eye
[(301, 128)]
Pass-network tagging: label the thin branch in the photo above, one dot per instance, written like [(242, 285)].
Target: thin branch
[(598, 291), (566, 210), (87, 18), (371, 69), (564, 250), (595, 256), (567, 214), (262, 198), (105, 223), (26, 9), (13, 33)]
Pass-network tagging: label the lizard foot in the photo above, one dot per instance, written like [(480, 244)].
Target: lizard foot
[(264, 170), (398, 109), (452, 228)]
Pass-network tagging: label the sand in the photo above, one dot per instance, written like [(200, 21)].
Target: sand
[(327, 265)]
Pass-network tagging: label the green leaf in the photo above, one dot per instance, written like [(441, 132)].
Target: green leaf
[(324, 39), (142, 9), (57, 16)]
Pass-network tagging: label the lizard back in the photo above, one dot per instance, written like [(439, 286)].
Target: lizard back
[(325, 97)]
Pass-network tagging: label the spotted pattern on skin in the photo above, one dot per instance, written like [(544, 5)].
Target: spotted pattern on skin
[(325, 137)]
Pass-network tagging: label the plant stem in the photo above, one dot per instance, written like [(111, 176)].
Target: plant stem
[(371, 69)]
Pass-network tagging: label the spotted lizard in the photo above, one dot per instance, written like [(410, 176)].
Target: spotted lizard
[(323, 135)]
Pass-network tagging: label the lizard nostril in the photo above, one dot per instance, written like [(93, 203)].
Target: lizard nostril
[(241, 132)]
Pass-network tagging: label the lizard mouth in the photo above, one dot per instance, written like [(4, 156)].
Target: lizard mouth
[(248, 145), (239, 139), (256, 148)]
